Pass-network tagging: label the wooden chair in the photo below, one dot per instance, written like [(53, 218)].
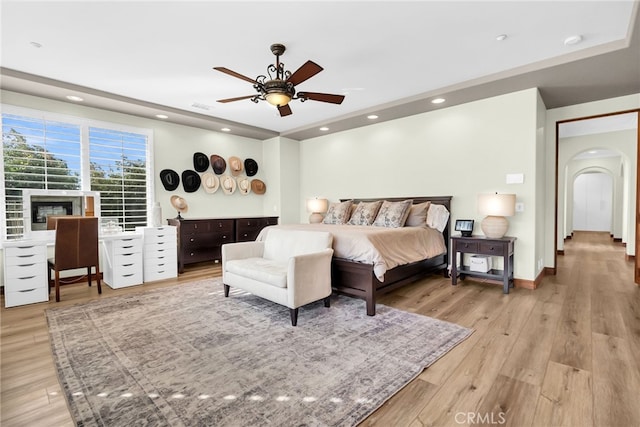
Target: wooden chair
[(76, 247)]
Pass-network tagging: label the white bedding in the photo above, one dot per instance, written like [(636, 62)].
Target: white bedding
[(384, 248)]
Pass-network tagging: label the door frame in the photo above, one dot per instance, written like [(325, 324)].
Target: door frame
[(636, 274)]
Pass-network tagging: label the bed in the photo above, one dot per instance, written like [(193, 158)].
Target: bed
[(366, 274)]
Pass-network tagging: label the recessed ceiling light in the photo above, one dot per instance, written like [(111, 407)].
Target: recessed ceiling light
[(324, 128), (74, 98), (571, 40), (501, 37), (162, 116), (36, 44), (225, 130), (593, 151), (437, 101), (372, 117)]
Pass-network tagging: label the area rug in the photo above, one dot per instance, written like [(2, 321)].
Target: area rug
[(188, 356)]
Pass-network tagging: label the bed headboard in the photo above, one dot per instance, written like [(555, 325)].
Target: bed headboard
[(441, 200)]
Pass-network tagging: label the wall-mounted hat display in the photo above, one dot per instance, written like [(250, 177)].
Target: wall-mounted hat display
[(210, 182), (228, 184), (218, 164), (244, 186), (250, 167), (190, 181), (235, 164), (200, 162), (258, 187), (170, 179)]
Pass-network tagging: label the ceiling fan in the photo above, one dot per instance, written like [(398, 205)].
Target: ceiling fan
[(279, 87)]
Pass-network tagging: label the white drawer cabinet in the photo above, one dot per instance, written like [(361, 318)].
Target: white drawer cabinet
[(25, 272), (122, 263), (160, 252)]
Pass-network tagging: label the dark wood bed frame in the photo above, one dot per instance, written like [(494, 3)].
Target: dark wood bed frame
[(358, 280)]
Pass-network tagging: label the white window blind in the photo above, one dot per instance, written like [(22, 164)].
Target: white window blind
[(55, 154), (118, 171)]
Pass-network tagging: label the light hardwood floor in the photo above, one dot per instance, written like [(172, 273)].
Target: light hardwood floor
[(566, 354)]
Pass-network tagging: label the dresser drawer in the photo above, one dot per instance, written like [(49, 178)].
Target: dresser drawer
[(127, 246), (123, 279), (26, 250), (166, 235), (126, 260), (27, 282), (466, 246), (26, 270), (488, 248), (160, 274), (27, 296), (159, 254), (25, 258)]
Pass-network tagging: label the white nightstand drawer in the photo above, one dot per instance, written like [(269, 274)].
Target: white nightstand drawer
[(26, 270), (27, 296)]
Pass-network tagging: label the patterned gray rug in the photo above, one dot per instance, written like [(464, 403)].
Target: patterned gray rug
[(187, 356)]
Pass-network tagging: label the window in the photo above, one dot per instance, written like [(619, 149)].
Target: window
[(48, 152)]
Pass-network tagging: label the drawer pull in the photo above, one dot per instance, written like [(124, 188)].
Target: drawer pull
[(161, 271), (127, 265), (127, 275), (26, 278), (160, 257), (195, 225), (191, 254), (28, 290), (160, 243), (26, 256), (245, 234), (126, 240), (25, 247), (27, 265), (160, 235), (490, 248), (127, 247), (219, 225), (191, 240)]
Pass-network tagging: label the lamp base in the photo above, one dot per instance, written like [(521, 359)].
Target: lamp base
[(315, 218), (494, 227)]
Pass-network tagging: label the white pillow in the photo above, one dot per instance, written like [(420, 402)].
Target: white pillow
[(437, 217)]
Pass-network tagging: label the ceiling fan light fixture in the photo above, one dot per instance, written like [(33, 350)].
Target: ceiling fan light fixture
[(277, 99)]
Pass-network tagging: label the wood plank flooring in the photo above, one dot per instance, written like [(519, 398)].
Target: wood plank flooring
[(565, 354)]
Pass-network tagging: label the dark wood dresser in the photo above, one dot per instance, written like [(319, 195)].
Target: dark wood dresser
[(201, 239)]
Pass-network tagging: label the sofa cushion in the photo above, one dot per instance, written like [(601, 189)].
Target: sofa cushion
[(280, 245), (263, 270)]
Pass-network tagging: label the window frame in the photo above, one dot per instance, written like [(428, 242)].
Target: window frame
[(85, 173)]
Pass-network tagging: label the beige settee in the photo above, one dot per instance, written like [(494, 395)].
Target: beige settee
[(290, 267)]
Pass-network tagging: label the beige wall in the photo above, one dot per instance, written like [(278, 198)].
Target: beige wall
[(459, 151)]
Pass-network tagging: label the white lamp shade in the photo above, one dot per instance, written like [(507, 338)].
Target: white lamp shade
[(497, 204), (317, 205)]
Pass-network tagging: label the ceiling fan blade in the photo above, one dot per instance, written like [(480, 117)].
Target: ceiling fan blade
[(306, 71), (234, 74), (284, 110), (322, 97), (235, 99)]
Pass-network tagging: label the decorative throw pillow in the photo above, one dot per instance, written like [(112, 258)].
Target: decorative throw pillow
[(338, 213), (437, 217), (365, 213), (393, 214), (418, 215)]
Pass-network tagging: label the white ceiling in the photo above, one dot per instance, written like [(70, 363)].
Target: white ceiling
[(391, 58)]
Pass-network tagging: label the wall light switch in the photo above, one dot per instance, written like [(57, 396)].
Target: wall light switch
[(515, 178), (519, 207)]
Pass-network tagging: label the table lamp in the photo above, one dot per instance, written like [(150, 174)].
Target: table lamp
[(496, 207), (317, 207)]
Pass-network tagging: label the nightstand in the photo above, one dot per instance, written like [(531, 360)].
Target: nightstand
[(481, 245)]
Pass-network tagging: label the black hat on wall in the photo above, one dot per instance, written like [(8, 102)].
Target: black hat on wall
[(190, 181), (170, 179), (250, 167), (200, 162)]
